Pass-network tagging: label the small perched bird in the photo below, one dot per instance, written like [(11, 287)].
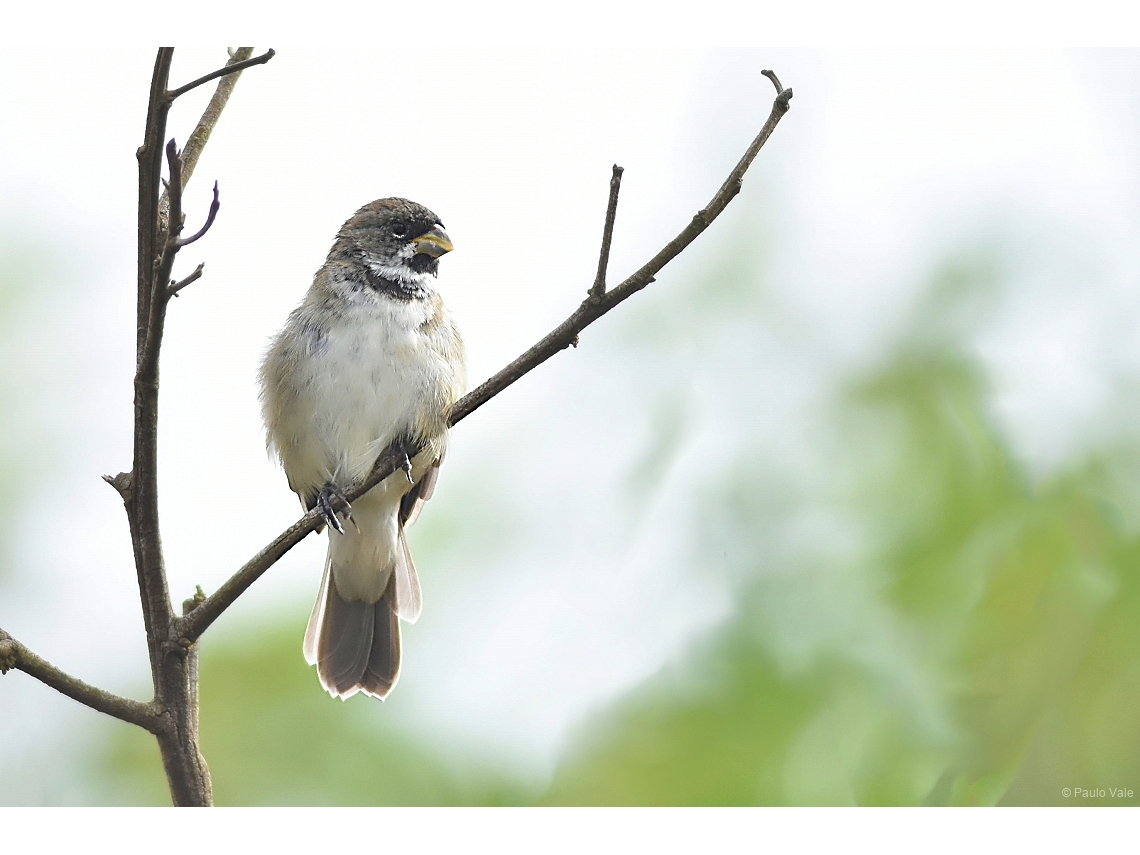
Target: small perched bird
[(370, 356)]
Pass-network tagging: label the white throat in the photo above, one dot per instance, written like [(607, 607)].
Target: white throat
[(400, 273)]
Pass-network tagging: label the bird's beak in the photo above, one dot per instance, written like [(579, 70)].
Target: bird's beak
[(434, 243)]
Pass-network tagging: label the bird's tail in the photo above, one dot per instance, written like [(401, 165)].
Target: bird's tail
[(356, 644)]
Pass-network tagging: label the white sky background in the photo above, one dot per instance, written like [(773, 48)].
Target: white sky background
[(886, 161)]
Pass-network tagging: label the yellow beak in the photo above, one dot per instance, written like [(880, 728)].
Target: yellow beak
[(434, 243)]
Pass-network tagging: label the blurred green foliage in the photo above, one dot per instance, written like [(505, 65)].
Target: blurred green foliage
[(974, 640), (273, 737), (980, 645)]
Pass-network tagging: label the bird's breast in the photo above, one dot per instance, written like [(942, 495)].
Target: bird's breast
[(380, 371)]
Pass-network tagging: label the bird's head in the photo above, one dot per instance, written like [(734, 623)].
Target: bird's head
[(396, 240)]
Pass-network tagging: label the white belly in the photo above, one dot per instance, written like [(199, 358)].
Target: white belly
[(362, 383)]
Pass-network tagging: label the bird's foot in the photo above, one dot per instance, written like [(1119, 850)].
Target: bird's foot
[(406, 465), (325, 506)]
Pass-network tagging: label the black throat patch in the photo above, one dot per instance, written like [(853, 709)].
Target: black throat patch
[(392, 287)]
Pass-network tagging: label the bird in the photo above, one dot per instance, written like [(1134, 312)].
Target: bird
[(371, 356)]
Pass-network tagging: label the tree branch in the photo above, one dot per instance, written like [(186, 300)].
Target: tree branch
[(201, 133), (607, 234), (141, 477), (214, 205), (210, 609), (15, 655), (149, 156), (230, 67), (175, 287), (159, 226), (596, 304)]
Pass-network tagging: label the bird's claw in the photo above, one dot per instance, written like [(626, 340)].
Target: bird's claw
[(406, 465), (325, 506)]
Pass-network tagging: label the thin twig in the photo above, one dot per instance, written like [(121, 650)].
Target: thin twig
[(593, 308), (164, 263), (201, 133), (15, 655), (607, 234), (173, 290), (214, 205), (229, 68), (173, 186), (194, 624)]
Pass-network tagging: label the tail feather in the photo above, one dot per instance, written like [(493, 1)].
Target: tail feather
[(384, 658), (353, 641), (357, 644), (313, 630), (408, 599)]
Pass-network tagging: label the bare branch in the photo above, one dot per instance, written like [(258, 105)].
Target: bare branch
[(214, 205), (175, 287), (771, 75), (15, 655), (201, 133), (209, 610), (163, 263), (142, 503), (607, 234), (149, 157), (160, 223), (594, 307), (194, 624), (229, 68)]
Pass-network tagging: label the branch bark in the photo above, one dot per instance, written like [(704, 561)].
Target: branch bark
[(15, 655), (236, 64), (173, 659), (599, 287)]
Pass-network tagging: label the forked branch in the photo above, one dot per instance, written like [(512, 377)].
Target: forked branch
[(173, 715), (595, 306)]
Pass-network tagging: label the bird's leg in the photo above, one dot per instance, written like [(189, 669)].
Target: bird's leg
[(324, 503)]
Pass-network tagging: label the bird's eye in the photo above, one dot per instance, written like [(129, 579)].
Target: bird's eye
[(400, 229)]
